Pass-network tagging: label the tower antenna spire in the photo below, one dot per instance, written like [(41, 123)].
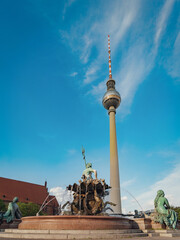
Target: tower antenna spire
[(109, 51)]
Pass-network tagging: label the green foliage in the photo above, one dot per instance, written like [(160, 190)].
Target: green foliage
[(2, 206), (28, 209), (176, 209)]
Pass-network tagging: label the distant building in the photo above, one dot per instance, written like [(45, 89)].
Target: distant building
[(27, 192)]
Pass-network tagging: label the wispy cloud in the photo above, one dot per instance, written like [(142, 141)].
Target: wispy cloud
[(127, 183), (135, 67), (73, 74), (124, 198), (134, 62), (173, 64), (117, 25), (168, 182), (72, 151), (171, 152), (91, 73), (169, 185), (83, 39), (138, 60), (86, 50), (67, 4), (162, 21), (98, 90)]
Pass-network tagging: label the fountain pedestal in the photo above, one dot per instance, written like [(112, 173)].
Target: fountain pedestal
[(75, 223), (11, 225)]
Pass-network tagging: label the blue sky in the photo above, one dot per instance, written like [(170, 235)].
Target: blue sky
[(53, 70)]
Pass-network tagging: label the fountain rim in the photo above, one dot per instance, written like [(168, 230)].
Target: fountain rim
[(74, 222), (73, 217)]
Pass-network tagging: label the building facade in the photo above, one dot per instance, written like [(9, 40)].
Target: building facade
[(28, 192)]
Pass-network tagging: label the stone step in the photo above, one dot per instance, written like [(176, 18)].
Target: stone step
[(167, 231), (163, 233), (169, 234), (61, 236), (162, 230), (153, 234), (117, 231)]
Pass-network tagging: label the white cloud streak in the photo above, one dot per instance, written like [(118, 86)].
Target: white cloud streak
[(91, 73), (169, 184), (117, 26), (67, 4), (128, 183), (138, 61), (173, 64), (73, 74), (134, 69), (83, 39), (124, 198), (72, 151), (135, 62), (162, 21)]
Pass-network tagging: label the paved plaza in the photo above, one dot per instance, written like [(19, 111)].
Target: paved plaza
[(138, 238)]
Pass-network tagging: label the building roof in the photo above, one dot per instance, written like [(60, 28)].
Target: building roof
[(26, 192)]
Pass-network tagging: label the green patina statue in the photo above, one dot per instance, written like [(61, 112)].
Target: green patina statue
[(89, 194), (13, 211), (88, 171), (163, 212)]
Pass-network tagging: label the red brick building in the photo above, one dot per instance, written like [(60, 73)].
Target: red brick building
[(27, 192)]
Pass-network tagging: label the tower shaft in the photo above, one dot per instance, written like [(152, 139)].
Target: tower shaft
[(115, 195)]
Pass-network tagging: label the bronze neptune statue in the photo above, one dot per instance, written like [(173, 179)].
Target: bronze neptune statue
[(89, 170)]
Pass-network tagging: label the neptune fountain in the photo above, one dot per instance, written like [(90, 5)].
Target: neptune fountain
[(89, 194), (88, 209)]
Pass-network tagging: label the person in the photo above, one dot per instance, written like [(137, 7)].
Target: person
[(13, 211), (164, 213), (138, 215)]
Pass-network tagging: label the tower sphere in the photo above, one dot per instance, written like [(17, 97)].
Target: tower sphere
[(111, 99)]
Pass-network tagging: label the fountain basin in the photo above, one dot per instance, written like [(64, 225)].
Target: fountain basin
[(75, 222)]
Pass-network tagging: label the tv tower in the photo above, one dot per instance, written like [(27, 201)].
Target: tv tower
[(111, 101)]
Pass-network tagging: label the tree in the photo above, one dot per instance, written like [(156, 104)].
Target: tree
[(2, 206), (28, 209)]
